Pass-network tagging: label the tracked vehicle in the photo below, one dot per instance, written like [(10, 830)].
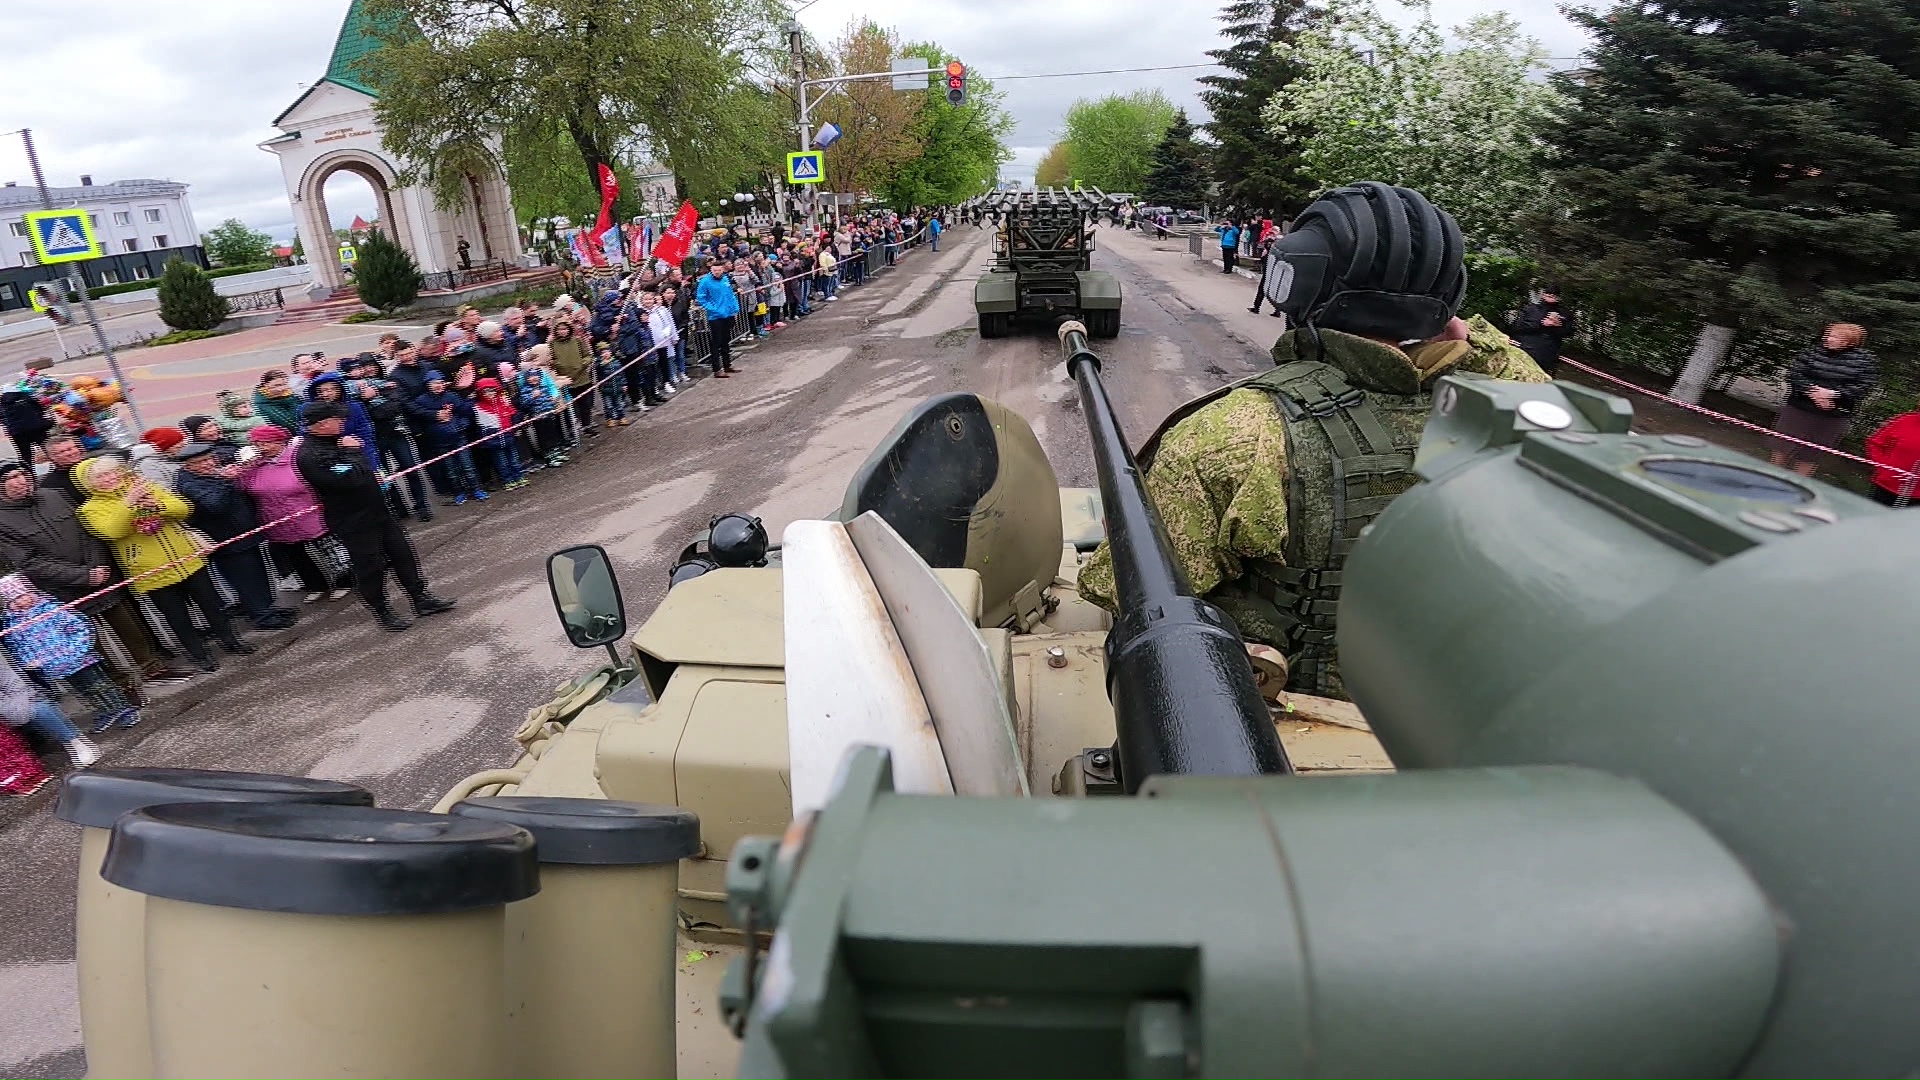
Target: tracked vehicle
[(954, 821)]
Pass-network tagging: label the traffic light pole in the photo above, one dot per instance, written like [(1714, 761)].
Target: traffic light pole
[(801, 83), (77, 281)]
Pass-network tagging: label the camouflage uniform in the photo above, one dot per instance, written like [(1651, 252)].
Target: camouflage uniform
[(1218, 473)]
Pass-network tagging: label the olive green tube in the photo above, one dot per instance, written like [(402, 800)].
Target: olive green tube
[(590, 972), (237, 993), (590, 965)]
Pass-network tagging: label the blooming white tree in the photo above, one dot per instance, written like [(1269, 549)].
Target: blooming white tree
[(1379, 101)]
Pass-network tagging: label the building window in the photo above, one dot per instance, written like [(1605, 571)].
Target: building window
[(153, 215), (108, 277), (159, 240), (18, 228), (94, 220), (141, 273), (7, 294), (123, 217), (130, 245), (26, 258)]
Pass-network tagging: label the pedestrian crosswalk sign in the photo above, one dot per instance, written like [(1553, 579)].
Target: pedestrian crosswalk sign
[(61, 236), (805, 167)]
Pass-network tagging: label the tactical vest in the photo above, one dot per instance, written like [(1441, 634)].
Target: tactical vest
[(1349, 454)]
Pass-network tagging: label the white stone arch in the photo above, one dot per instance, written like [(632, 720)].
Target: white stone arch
[(316, 230)]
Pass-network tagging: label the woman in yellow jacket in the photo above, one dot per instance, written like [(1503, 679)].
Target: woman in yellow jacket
[(141, 523)]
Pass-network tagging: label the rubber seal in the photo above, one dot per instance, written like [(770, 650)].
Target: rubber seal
[(594, 832), (98, 797), (320, 860)]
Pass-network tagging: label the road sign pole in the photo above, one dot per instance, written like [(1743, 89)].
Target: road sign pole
[(79, 280)]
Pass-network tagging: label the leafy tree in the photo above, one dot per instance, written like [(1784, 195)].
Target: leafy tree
[(1055, 168), (961, 147), (1111, 138), (625, 80), (876, 121), (299, 249), (1376, 101), (187, 299), (1746, 170), (1178, 176), (385, 276), (1255, 167), (231, 243)]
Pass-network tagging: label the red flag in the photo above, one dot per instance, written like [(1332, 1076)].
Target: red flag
[(609, 191), (678, 239)]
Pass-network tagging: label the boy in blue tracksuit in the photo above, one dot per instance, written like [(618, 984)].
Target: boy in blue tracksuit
[(933, 231), (1229, 245), (445, 417)]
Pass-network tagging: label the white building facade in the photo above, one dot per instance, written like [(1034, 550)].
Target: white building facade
[(140, 225)]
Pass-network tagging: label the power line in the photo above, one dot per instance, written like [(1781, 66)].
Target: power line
[(1108, 71)]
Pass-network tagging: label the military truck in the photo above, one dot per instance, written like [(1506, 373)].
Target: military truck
[(1626, 828), (1043, 252)]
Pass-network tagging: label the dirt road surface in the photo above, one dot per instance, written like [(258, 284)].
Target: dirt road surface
[(409, 714)]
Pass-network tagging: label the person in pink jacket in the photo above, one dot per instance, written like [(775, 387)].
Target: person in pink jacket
[(279, 492)]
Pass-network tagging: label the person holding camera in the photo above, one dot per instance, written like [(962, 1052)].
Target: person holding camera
[(1543, 328)]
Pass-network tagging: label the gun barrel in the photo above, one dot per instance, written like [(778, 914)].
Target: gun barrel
[(1182, 687)]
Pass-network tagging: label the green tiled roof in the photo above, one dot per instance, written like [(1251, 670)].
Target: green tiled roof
[(358, 39)]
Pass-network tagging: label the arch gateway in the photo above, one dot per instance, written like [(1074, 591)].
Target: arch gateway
[(331, 128)]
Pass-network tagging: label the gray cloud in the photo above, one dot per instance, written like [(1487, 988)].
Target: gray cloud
[(187, 92)]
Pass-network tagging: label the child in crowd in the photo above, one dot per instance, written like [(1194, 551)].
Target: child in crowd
[(613, 390), (444, 415), (236, 417), (495, 414), (55, 643), (22, 705)]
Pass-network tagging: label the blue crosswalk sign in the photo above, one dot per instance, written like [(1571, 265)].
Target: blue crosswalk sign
[(805, 167), (61, 236)]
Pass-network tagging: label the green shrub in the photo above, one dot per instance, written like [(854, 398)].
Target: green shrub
[(365, 316), (187, 299), (1497, 286), (385, 275), (178, 336)]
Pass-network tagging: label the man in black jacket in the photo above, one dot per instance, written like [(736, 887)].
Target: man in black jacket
[(1543, 328), (358, 516), (223, 511), (41, 536)]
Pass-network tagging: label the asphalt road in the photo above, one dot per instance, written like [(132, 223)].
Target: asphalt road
[(409, 714)]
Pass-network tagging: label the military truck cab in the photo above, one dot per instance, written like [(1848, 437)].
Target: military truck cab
[(1043, 251)]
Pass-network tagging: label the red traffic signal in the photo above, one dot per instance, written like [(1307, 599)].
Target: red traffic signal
[(956, 83)]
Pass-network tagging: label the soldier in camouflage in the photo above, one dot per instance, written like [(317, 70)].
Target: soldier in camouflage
[(1264, 485)]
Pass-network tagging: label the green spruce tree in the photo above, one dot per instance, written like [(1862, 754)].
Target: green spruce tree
[(1255, 170), (187, 299), (385, 275), (1177, 177), (1746, 169)]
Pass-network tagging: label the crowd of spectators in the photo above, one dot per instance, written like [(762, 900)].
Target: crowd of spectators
[(129, 565)]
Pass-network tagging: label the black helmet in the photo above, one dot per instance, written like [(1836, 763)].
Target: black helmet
[(1374, 260), (688, 569), (737, 540)]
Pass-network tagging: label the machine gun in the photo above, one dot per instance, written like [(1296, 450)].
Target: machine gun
[(1634, 831), (1182, 688)]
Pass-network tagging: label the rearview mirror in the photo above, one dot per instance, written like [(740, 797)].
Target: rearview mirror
[(587, 596)]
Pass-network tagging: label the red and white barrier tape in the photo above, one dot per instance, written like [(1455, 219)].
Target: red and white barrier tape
[(1734, 420), (617, 373)]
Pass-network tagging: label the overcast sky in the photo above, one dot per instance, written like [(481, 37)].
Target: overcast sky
[(188, 91)]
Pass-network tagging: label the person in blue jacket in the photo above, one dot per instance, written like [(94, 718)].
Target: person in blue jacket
[(445, 416), (716, 297), (1229, 245), (332, 386)]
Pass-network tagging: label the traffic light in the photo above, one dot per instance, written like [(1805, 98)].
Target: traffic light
[(956, 83), (50, 299)]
